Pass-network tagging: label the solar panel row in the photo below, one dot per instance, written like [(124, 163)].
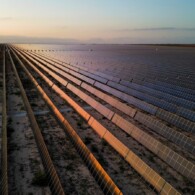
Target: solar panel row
[(155, 67), (170, 91), (170, 107), (102, 97), (141, 167), (168, 132), (170, 98), (148, 141), (176, 120)]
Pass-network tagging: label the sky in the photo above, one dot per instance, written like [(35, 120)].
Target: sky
[(97, 21)]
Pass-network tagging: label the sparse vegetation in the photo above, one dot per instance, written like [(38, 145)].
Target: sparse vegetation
[(80, 122), (94, 148), (88, 140), (10, 130), (17, 93), (22, 108), (40, 179), (122, 168), (10, 121), (102, 160), (70, 167), (33, 104)]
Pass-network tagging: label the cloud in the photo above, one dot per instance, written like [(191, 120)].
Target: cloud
[(157, 29), (62, 27), (5, 18), (96, 40), (116, 40), (36, 40)]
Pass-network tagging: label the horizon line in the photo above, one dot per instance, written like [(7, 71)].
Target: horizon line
[(10, 39)]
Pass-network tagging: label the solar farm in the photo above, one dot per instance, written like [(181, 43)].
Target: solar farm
[(97, 119)]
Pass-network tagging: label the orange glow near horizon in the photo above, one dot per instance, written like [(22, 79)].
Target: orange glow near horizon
[(98, 21)]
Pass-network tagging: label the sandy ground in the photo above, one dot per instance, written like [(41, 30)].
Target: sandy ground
[(74, 175), (1, 93), (0, 137), (121, 172), (172, 176), (23, 157)]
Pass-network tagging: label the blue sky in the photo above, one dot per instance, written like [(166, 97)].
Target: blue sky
[(98, 21)]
